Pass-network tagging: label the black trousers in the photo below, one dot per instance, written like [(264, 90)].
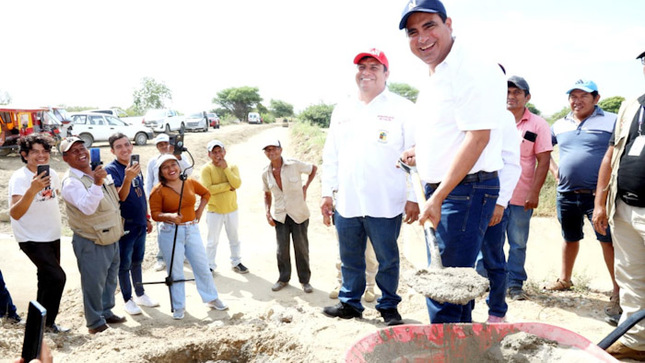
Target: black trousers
[(300, 246), (51, 277)]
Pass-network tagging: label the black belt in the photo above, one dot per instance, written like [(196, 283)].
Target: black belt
[(581, 191), (471, 178), (631, 199)]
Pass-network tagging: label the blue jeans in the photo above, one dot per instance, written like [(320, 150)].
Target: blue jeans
[(465, 214), (572, 208), (132, 247), (189, 245), (518, 235), (494, 263), (352, 239), (98, 266), (7, 308)]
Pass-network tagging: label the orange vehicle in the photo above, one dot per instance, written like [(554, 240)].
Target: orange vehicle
[(18, 122)]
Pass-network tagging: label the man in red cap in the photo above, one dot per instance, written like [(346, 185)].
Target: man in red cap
[(366, 136), (620, 203)]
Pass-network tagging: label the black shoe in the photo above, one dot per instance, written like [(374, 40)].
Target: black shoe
[(115, 319), (98, 329), (55, 328), (516, 293), (391, 316), (343, 311), (241, 269), (613, 319), (15, 319)]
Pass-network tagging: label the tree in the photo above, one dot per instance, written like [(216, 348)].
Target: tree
[(611, 104), (152, 94), (533, 109), (281, 109), (238, 101), (317, 114), (5, 98), (558, 115), (404, 90)]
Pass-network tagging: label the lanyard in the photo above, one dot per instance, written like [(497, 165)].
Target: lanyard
[(640, 121)]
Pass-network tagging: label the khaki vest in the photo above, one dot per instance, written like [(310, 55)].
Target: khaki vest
[(105, 226)]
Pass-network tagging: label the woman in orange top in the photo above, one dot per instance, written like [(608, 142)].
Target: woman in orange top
[(164, 208)]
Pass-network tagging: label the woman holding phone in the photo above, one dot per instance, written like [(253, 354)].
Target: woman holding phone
[(165, 208)]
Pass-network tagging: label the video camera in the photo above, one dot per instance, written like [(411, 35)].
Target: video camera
[(177, 141)]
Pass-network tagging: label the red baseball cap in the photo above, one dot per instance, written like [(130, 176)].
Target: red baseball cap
[(374, 53)]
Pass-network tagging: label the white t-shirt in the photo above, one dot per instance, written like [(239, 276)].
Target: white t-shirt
[(42, 221), (465, 93), (362, 147)]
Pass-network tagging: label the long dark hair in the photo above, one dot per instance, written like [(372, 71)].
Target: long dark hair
[(162, 179)]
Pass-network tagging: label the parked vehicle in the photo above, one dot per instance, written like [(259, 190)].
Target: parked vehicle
[(91, 127), (117, 112), (213, 120), (197, 121), (18, 122), (254, 118), (164, 120)]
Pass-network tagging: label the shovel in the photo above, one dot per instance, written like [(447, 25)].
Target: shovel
[(456, 285), (428, 229)]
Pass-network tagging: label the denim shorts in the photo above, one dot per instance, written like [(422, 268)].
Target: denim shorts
[(572, 208)]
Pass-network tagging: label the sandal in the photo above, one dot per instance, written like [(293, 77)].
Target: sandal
[(559, 285), (613, 308)]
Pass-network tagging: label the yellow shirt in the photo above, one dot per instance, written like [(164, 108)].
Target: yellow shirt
[(222, 184)]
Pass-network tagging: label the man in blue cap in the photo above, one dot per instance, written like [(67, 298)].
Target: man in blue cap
[(458, 143), (620, 202), (583, 136)]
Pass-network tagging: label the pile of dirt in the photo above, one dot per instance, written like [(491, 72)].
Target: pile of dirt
[(524, 347), (456, 285)]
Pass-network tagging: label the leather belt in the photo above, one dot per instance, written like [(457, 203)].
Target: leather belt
[(582, 191), (471, 178), (185, 223)]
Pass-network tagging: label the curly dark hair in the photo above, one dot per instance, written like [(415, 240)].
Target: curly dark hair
[(27, 143)]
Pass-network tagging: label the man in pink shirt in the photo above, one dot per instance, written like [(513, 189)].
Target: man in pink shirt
[(535, 148)]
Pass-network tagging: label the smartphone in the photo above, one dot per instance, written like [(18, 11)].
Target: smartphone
[(34, 331), (134, 159), (95, 157), (179, 144), (530, 136), (43, 168)]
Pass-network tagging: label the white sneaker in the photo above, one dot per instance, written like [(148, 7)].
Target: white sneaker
[(178, 314), (217, 304), (132, 308), (369, 295), (160, 265), (145, 300)]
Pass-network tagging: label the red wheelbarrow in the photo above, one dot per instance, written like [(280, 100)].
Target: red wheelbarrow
[(468, 342)]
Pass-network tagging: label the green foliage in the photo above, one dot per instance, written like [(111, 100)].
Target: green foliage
[(309, 140), (261, 109), (5, 98), (533, 109), (611, 104), (319, 115), (238, 101), (558, 115), (281, 109), (152, 94), (267, 117), (77, 108), (404, 90), (132, 111)]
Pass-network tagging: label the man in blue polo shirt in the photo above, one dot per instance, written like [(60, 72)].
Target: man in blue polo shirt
[(129, 183), (583, 136)]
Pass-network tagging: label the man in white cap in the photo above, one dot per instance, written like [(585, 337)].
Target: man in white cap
[(367, 134), (620, 202), (222, 181), (162, 141), (94, 216), (282, 179)]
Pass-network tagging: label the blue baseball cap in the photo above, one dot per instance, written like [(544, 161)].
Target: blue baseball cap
[(422, 6), (584, 85)]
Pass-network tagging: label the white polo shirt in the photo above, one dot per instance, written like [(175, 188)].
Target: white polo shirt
[(510, 173), (362, 147), (465, 93)]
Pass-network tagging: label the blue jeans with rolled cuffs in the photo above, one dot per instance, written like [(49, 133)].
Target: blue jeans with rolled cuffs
[(132, 247), (465, 215), (493, 262), (352, 240), (189, 245)]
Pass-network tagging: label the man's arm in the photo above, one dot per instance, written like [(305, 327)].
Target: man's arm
[(543, 163), (467, 155), (309, 179), (213, 188), (86, 200), (233, 175), (267, 208), (21, 203), (599, 219), (553, 168)]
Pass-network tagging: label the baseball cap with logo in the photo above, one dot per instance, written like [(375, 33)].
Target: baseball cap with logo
[(519, 82), (214, 143), (421, 6), (274, 142), (374, 53), (584, 85), (162, 138), (66, 144)]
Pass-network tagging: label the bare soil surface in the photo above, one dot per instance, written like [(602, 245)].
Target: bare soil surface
[(262, 325)]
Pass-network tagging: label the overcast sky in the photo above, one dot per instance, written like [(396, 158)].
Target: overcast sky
[(87, 53)]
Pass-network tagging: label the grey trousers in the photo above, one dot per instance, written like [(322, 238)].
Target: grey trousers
[(99, 268), (298, 233)]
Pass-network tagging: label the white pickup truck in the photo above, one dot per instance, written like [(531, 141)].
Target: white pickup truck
[(164, 120), (117, 112)]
